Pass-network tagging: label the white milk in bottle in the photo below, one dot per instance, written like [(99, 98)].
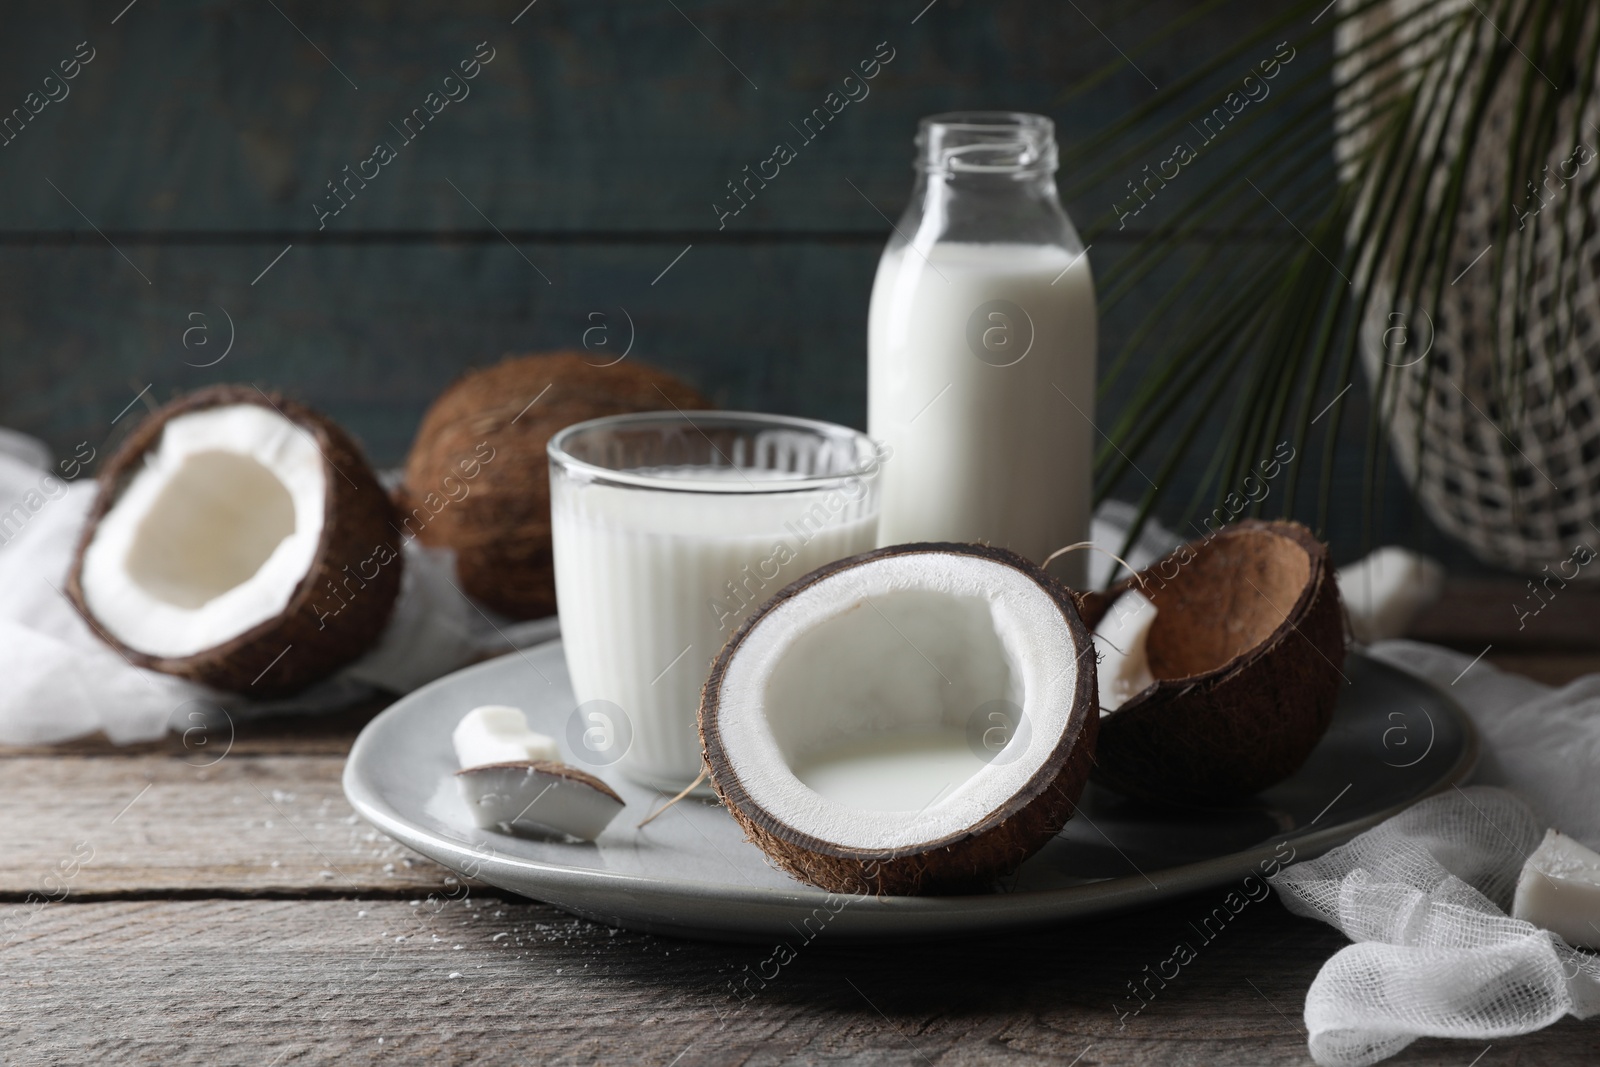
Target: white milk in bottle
[(981, 347)]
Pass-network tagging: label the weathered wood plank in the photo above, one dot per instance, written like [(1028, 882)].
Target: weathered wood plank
[(1509, 614), (480, 981), (374, 354), (625, 115), (611, 118), (777, 327), (329, 734), (193, 823), (771, 327)]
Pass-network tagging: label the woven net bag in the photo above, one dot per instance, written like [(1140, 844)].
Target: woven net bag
[(1492, 399)]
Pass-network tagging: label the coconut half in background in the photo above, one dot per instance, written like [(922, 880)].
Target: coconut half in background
[(966, 658), (1246, 652), (239, 540), (478, 480)]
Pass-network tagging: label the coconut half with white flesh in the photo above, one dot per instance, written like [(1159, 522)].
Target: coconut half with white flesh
[(240, 540), (917, 719), (543, 798), (1244, 651)]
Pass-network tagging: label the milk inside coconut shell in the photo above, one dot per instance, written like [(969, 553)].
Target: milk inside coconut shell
[(915, 719)]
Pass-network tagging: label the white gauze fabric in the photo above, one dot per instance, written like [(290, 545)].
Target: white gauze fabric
[(1424, 896)]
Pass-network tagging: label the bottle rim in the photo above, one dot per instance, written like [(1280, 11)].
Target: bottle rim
[(986, 142)]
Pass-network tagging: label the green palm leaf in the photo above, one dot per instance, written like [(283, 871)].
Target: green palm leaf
[(1259, 341)]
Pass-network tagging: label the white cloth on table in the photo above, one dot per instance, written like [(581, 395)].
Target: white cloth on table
[(1424, 895), (61, 681)]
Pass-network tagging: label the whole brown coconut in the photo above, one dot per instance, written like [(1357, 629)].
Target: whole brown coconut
[(960, 858), (478, 480), (315, 634), (1247, 650)]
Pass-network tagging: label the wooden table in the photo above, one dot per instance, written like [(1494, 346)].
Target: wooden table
[(179, 904)]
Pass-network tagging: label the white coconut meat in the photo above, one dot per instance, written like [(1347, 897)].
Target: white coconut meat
[(1120, 640), (1559, 890), (211, 537), (498, 733), (871, 711), (540, 798)]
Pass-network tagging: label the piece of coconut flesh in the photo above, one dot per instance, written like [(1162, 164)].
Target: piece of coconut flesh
[(540, 798), (497, 733), (1385, 592), (1120, 638), (898, 702), (213, 534), (1559, 890)]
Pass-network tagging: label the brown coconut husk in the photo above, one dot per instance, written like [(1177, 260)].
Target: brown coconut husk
[(967, 861), (357, 524), (498, 520), (1247, 649)]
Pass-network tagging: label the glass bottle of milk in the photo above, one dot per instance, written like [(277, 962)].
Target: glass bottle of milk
[(981, 347)]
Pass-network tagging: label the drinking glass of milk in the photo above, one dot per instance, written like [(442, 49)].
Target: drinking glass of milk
[(981, 346), (669, 529)]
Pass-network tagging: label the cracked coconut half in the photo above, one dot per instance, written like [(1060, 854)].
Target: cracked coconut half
[(239, 540), (917, 719), (1242, 641)]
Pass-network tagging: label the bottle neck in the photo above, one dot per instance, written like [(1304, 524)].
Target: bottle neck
[(986, 143), (1014, 208), (986, 177)]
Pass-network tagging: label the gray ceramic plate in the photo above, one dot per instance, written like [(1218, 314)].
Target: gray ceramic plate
[(1394, 740)]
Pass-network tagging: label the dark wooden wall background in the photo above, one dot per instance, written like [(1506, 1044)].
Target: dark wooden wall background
[(192, 147)]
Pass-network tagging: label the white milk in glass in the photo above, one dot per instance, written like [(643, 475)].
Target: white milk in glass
[(981, 344), (651, 583)]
